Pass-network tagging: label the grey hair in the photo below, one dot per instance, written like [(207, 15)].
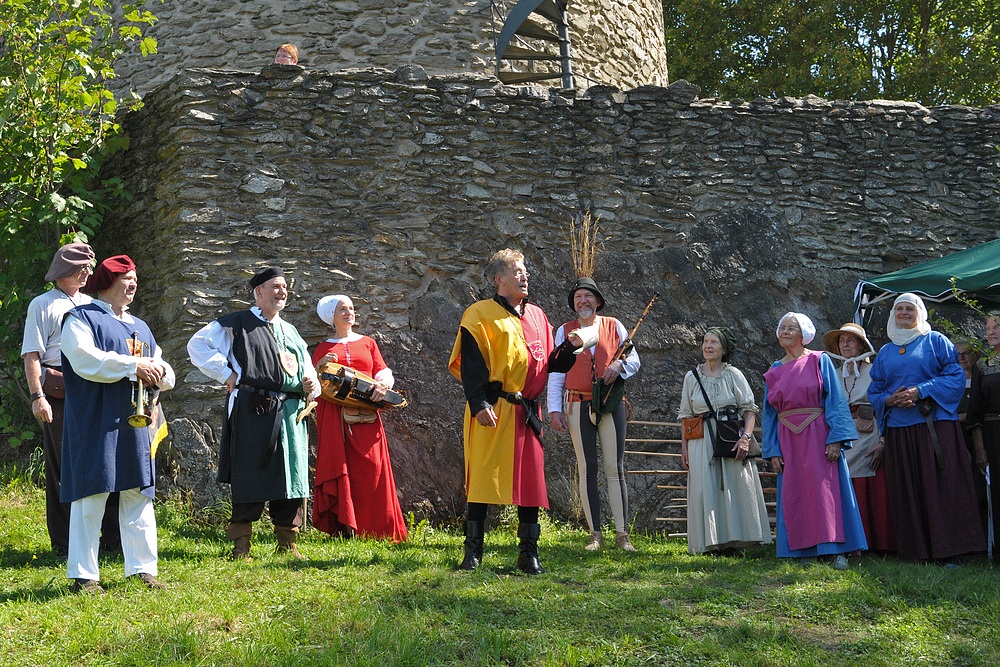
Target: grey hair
[(500, 261)]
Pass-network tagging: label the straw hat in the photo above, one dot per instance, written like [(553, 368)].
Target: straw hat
[(831, 338)]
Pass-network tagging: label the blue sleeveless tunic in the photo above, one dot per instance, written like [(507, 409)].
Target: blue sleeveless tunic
[(101, 451)]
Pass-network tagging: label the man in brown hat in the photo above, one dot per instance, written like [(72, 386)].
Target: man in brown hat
[(41, 351), (600, 338), (106, 353)]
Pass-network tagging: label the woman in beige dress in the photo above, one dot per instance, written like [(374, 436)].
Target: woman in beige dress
[(725, 502)]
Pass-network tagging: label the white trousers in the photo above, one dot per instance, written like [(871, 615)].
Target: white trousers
[(138, 530)]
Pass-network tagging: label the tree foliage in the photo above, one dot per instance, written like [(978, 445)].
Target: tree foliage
[(929, 51), (57, 115)]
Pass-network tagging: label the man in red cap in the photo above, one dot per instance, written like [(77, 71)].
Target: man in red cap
[(105, 350), (41, 351)]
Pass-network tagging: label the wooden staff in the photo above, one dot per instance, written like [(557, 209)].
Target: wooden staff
[(626, 345)]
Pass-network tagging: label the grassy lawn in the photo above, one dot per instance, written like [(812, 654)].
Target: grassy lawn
[(365, 603)]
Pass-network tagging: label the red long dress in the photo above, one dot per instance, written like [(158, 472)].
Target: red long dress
[(354, 488)]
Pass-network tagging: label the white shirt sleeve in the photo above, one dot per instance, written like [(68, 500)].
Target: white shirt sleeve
[(168, 381), (631, 361), (96, 365), (34, 338), (556, 381), (210, 350), (310, 372), (88, 361), (385, 375)]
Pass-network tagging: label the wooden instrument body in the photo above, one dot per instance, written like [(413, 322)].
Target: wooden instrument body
[(351, 388)]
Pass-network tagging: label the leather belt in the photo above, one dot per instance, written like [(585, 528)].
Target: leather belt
[(530, 406), (280, 395)]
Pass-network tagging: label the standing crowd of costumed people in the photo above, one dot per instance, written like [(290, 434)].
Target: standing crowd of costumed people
[(869, 454), (889, 451)]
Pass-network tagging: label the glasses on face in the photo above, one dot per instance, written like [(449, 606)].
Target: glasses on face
[(789, 328), (964, 355), (520, 275)]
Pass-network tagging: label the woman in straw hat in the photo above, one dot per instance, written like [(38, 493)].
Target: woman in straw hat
[(850, 345)]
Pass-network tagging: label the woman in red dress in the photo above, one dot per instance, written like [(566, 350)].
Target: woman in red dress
[(354, 492)]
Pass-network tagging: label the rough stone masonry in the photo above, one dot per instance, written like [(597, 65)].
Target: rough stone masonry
[(393, 186)]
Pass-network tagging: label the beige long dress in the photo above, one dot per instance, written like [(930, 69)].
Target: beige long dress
[(725, 505)]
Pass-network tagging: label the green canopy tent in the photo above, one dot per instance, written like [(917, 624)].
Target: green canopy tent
[(976, 272)]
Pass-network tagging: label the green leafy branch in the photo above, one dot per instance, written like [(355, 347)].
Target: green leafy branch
[(59, 118)]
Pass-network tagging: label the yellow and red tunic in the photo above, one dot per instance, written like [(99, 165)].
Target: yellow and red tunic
[(505, 464)]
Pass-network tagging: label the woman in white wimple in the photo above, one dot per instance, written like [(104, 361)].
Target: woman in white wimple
[(807, 425), (725, 504), (927, 466)]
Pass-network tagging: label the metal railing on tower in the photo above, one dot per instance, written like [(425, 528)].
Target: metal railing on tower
[(530, 31)]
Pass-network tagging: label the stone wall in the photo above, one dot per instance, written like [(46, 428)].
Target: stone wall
[(392, 187), (613, 42)]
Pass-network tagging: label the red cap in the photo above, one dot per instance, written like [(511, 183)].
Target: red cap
[(107, 273)]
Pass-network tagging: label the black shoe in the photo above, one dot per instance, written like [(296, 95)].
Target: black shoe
[(527, 559), (87, 587), (473, 545), (148, 580)]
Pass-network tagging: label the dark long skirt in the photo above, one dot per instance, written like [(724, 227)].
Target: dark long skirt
[(934, 508), (873, 503)]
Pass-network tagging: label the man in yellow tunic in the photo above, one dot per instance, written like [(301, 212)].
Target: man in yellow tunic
[(504, 351)]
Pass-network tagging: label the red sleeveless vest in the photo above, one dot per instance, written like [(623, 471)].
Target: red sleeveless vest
[(579, 378)]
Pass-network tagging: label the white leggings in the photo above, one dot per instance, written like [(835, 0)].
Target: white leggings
[(585, 435), (138, 529)]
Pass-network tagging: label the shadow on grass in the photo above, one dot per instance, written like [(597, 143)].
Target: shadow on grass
[(55, 587), (11, 557)]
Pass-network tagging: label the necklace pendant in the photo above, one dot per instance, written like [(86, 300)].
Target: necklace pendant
[(902, 350)]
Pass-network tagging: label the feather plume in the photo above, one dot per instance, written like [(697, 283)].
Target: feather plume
[(583, 244)]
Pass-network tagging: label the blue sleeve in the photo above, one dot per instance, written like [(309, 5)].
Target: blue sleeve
[(947, 383), (836, 410), (877, 391), (770, 447)]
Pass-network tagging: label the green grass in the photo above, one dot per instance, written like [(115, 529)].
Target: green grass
[(366, 603)]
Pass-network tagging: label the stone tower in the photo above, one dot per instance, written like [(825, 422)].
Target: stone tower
[(613, 42)]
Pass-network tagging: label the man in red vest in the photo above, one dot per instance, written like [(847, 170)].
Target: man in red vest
[(569, 400)]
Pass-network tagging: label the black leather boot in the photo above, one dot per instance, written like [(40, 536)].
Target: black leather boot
[(473, 545), (527, 560)]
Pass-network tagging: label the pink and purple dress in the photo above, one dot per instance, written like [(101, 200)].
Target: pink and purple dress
[(804, 410)]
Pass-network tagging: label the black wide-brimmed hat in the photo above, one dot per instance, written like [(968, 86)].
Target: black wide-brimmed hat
[(587, 284)]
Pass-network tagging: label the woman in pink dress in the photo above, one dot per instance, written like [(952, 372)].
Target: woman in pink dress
[(354, 491), (807, 424)]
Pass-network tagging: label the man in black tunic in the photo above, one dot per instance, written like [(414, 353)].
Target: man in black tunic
[(266, 369)]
